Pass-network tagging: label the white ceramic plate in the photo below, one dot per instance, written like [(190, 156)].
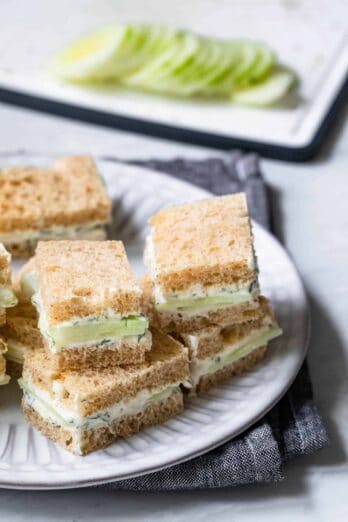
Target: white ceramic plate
[(30, 461)]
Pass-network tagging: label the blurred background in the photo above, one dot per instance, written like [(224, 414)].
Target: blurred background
[(310, 38)]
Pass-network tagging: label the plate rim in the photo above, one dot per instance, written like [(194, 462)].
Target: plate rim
[(147, 469)]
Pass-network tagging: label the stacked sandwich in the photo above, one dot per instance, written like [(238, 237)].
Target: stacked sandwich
[(98, 372), (67, 200), (7, 300), (203, 287), (21, 333)]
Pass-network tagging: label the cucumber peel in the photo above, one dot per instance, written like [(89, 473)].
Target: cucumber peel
[(275, 87)]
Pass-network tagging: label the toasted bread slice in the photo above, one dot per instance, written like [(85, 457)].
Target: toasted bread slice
[(126, 351), (84, 278), (207, 243), (103, 405), (68, 199)]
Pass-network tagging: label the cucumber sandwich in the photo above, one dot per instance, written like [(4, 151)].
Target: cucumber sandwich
[(65, 201), (88, 409), (202, 265), (218, 353), (88, 303)]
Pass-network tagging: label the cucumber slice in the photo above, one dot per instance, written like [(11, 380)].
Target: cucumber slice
[(92, 57), (96, 331), (257, 340), (265, 62), (208, 63), (268, 92), (248, 56), (187, 77), (155, 43), (220, 82), (45, 409), (203, 302), (159, 75)]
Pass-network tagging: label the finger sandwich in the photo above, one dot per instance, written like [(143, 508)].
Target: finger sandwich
[(216, 354), (201, 262), (8, 299), (87, 410), (89, 305), (65, 201)]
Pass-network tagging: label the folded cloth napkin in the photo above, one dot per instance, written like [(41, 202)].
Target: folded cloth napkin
[(293, 427)]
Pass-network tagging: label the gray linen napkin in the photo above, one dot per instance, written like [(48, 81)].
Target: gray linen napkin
[(293, 427)]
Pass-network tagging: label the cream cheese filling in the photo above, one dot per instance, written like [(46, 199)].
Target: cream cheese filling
[(197, 297), (233, 352), (92, 230), (51, 409), (106, 330)]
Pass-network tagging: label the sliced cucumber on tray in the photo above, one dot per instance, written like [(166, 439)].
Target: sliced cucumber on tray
[(176, 62)]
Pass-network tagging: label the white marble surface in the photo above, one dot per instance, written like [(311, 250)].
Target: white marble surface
[(312, 219)]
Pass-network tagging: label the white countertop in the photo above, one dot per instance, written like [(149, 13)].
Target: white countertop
[(310, 201)]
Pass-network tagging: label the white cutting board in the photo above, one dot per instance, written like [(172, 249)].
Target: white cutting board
[(309, 36)]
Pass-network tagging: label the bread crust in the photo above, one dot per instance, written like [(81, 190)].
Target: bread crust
[(207, 242), (92, 440), (96, 357), (239, 367), (27, 248), (178, 322), (84, 278)]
